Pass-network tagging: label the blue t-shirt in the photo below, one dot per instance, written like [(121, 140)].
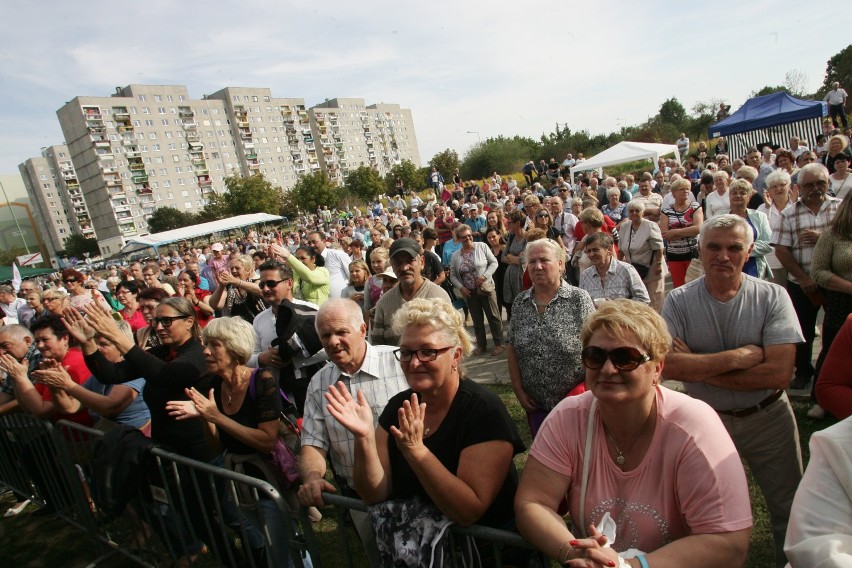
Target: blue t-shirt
[(136, 414)]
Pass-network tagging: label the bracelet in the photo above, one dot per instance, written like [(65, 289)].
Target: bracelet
[(642, 562), (559, 554)]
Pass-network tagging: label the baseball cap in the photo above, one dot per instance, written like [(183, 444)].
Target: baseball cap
[(217, 246), (405, 245)]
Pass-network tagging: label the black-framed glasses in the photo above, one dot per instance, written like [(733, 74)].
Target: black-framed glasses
[(424, 355), (69, 280), (543, 216), (623, 358), (466, 237), (166, 321), (821, 185), (269, 283)]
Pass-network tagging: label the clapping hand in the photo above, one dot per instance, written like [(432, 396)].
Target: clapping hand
[(13, 368), (412, 416), (77, 326), (355, 415), (205, 405), (182, 409), (54, 376)]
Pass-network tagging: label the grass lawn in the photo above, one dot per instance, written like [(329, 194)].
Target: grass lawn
[(28, 540)]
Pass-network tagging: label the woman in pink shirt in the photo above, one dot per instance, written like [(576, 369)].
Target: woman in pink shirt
[(652, 468)]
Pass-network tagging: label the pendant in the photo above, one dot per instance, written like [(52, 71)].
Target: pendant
[(620, 460)]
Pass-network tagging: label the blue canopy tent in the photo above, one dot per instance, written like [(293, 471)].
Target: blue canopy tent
[(771, 119)]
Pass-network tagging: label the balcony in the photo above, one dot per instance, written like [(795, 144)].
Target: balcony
[(121, 116), (246, 136), (204, 181), (92, 113), (185, 112), (189, 124), (145, 190), (125, 129), (131, 154), (202, 170), (198, 162), (195, 145), (69, 176), (121, 208), (242, 124), (192, 137), (139, 178), (253, 165), (136, 167), (128, 141)]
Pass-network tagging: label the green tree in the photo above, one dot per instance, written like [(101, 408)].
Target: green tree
[(309, 193), (499, 154), (672, 112), (446, 162), (769, 90), (77, 245), (168, 218), (412, 180), (364, 183), (245, 195), (838, 68)]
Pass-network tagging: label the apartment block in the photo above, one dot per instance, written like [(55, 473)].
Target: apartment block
[(58, 205), (149, 146)]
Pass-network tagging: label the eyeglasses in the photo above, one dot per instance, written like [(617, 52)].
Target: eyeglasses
[(424, 355), (821, 185), (69, 280), (467, 237), (166, 321), (623, 358), (269, 284), (542, 216)]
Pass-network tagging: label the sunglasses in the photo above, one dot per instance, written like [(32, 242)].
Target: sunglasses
[(269, 284), (543, 216), (69, 280), (166, 321), (623, 358)]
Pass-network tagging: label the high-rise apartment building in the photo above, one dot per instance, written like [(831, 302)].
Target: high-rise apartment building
[(150, 146), (58, 205)]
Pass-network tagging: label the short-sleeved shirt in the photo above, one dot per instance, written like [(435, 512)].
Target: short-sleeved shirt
[(800, 218), (622, 281), (548, 345), (264, 406), (691, 480), (760, 314), (76, 367), (380, 377), (475, 416), (136, 414)]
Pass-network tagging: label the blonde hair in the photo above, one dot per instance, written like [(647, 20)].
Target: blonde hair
[(441, 316), (236, 334), (360, 264), (620, 318)]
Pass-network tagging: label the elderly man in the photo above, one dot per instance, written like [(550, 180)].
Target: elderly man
[(16, 343), (406, 259), (363, 367), (282, 341), (336, 262), (734, 344), (836, 99), (794, 244), (10, 303)]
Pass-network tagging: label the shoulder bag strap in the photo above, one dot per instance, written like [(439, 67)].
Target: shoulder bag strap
[(587, 458)]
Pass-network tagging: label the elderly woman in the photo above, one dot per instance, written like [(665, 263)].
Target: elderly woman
[(652, 469), (779, 200), (55, 301), (111, 294), (471, 270), (242, 412), (592, 220), (446, 443), (740, 192), (79, 296), (837, 144), (127, 292), (679, 225), (718, 201), (614, 209), (515, 243), (642, 247), (543, 338), (108, 405), (237, 294), (609, 278)]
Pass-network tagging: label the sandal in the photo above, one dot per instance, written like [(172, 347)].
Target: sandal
[(498, 351)]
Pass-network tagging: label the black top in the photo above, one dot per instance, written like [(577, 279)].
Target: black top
[(166, 376), (265, 406), (476, 415)]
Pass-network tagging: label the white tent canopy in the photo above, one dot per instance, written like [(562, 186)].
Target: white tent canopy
[(624, 152), (156, 240)]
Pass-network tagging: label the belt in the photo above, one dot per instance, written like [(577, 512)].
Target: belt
[(753, 409)]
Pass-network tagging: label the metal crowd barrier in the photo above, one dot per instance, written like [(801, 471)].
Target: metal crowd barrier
[(182, 509), (498, 541)]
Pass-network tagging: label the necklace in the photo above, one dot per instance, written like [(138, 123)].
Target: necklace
[(620, 459), (230, 392)]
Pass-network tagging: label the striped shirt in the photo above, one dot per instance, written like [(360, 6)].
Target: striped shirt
[(380, 377), (797, 219), (622, 281)]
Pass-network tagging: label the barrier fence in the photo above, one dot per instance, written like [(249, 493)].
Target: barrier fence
[(181, 508)]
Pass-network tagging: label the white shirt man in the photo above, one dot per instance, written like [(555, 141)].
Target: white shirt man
[(336, 262)]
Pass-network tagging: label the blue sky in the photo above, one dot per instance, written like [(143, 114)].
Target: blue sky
[(490, 67)]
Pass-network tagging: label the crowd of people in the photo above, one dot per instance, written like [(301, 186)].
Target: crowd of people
[(359, 317)]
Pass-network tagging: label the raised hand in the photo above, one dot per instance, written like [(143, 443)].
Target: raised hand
[(204, 405), (182, 409), (355, 415), (77, 326), (12, 367), (412, 415)]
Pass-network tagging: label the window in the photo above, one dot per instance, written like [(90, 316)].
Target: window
[(146, 110), (152, 135), (181, 98), (141, 98), (136, 123), (169, 98), (254, 98), (156, 147), (165, 122), (168, 134), (184, 193), (48, 195), (188, 204), (158, 98), (161, 110), (147, 123), (178, 170)]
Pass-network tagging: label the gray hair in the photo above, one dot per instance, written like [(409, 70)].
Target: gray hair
[(613, 192), (557, 250), (16, 331), (351, 309), (814, 169), (236, 335), (636, 205), (778, 176), (728, 222), (748, 173)]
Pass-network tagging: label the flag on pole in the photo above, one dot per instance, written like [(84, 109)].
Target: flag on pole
[(16, 277)]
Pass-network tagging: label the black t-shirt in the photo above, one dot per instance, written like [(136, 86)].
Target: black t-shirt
[(433, 267), (265, 406), (476, 415)]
